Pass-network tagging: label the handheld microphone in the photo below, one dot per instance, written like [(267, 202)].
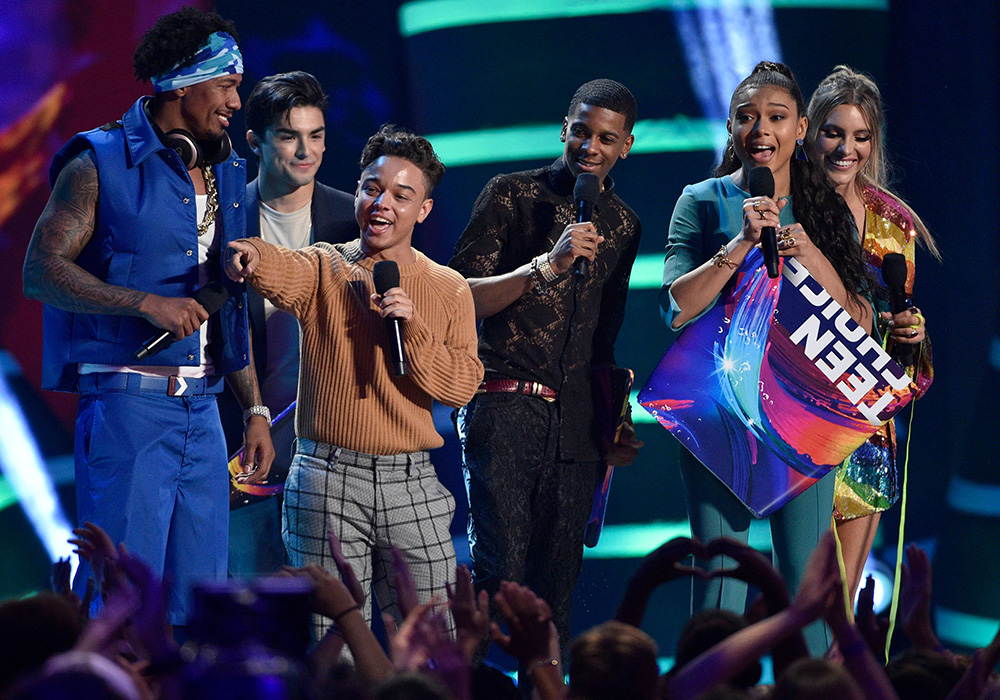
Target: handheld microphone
[(212, 296), (385, 275), (894, 276), (761, 183), (585, 193)]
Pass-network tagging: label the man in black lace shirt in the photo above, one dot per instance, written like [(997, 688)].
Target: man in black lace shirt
[(532, 456)]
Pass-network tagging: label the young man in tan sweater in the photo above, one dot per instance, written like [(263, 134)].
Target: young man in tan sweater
[(361, 468)]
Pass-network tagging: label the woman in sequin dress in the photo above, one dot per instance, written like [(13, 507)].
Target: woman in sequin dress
[(846, 123)]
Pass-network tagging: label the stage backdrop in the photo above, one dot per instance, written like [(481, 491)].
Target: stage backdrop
[(490, 82)]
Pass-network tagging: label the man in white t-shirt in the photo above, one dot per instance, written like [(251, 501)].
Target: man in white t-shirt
[(286, 130)]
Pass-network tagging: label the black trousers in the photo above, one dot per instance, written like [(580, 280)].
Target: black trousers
[(527, 511)]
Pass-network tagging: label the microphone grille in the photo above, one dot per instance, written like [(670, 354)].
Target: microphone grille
[(587, 188), (760, 180), (385, 275), (894, 270), (212, 296)]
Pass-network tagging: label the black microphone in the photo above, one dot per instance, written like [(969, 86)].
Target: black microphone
[(585, 193), (761, 183), (894, 276), (385, 274), (212, 296)]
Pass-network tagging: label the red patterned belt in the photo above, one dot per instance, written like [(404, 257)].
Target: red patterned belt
[(518, 386)]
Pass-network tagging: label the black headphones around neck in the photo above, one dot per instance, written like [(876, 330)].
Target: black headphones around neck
[(196, 153)]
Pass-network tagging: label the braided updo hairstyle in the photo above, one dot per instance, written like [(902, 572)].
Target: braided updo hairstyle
[(815, 204)]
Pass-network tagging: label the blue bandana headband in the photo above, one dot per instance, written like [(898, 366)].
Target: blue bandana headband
[(219, 56)]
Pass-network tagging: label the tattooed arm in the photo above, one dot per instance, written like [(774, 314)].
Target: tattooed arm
[(258, 452), (51, 274)]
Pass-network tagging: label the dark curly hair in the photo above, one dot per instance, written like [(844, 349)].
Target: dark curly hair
[(816, 205), (608, 94), (391, 140), (176, 37), (274, 96)]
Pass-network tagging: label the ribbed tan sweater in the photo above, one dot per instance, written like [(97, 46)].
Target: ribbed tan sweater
[(348, 394)]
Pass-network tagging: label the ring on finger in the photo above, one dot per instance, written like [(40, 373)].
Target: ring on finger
[(761, 214), (756, 206)]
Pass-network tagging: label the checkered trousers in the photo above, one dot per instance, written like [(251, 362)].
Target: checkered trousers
[(371, 503)]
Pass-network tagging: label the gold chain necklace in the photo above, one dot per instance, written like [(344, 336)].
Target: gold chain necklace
[(212, 204)]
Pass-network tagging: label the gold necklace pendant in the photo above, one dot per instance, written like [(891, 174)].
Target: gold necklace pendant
[(212, 204)]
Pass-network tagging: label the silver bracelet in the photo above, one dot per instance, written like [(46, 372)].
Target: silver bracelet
[(545, 267), (257, 411), (537, 278)]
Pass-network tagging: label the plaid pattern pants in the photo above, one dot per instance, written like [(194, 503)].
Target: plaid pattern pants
[(372, 503)]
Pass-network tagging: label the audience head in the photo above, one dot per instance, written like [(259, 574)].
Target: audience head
[(816, 679), (33, 630), (412, 686), (923, 675), (704, 630), (489, 683), (612, 661), (77, 675)]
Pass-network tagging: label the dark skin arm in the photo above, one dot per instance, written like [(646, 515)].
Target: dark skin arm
[(51, 274), (494, 294), (258, 451)]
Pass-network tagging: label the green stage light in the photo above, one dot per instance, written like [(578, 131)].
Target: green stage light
[(965, 629), (430, 15), (541, 141), (636, 540), (647, 272), (7, 495)]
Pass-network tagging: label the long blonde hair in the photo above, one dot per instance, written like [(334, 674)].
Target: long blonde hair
[(845, 86)]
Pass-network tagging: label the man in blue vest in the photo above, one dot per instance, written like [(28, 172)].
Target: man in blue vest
[(140, 209), (286, 129)]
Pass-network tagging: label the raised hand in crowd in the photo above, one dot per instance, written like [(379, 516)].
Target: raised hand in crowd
[(756, 570), (470, 612), (60, 583), (406, 589), (132, 628), (875, 629), (915, 600), (94, 546), (424, 642), (976, 683), (661, 565), (531, 637), (340, 597), (730, 656), (858, 657)]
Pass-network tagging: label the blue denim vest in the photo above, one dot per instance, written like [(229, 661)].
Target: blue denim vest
[(146, 239)]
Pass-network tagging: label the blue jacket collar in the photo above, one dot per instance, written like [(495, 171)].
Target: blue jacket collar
[(141, 138)]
